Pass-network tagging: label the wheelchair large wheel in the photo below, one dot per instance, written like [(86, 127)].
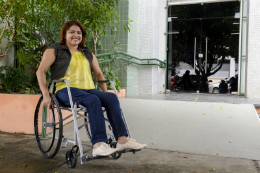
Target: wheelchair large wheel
[(48, 127), (110, 135)]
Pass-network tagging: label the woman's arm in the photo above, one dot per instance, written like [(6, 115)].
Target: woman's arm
[(47, 60), (98, 73)]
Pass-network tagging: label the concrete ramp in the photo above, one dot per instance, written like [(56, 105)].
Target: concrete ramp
[(229, 130)]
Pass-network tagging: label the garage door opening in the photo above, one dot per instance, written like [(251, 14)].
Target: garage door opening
[(203, 47)]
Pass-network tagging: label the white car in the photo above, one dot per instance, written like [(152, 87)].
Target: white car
[(214, 87)]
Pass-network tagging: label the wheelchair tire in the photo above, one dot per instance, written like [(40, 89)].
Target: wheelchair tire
[(115, 155), (48, 127), (71, 158)]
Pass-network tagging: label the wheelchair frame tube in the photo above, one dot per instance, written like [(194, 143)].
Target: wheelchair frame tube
[(44, 119), (122, 113), (76, 132), (74, 112)]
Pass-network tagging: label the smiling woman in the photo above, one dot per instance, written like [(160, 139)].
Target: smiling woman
[(70, 60), (73, 33)]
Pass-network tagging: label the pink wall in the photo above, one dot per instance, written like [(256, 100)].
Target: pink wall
[(17, 112)]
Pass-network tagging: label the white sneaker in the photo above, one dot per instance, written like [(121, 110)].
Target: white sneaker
[(103, 150), (131, 144)]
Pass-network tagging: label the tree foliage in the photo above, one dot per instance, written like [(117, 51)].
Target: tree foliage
[(17, 16), (35, 24)]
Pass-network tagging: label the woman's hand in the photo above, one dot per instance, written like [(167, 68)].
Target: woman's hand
[(47, 101)]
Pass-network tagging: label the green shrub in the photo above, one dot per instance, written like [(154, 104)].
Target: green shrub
[(33, 89), (110, 74), (13, 79)]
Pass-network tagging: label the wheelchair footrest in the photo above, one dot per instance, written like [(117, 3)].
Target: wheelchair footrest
[(88, 158), (127, 151)]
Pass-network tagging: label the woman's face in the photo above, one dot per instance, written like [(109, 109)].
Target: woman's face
[(73, 35)]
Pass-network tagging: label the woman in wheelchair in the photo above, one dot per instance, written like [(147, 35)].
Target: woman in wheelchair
[(71, 60)]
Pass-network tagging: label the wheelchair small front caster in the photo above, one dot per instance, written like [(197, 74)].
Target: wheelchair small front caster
[(71, 157), (115, 155)]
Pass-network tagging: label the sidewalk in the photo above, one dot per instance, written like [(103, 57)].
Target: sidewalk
[(225, 138), (20, 154), (202, 97)]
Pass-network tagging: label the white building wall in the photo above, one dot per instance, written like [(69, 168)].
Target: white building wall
[(152, 13), (253, 68), (162, 43), (133, 47), (133, 35), (146, 28), (146, 41), (155, 46)]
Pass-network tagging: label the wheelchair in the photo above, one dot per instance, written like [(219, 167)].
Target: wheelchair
[(48, 128)]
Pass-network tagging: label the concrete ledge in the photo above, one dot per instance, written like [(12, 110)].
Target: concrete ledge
[(257, 106), (17, 113), (120, 93)]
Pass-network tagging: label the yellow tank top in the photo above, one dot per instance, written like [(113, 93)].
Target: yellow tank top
[(78, 74)]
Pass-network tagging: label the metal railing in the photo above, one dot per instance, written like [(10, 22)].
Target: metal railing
[(110, 57)]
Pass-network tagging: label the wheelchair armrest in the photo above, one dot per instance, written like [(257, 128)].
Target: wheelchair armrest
[(52, 84), (104, 81), (113, 85), (58, 80)]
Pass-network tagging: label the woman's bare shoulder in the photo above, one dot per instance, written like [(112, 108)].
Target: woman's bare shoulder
[(50, 51)]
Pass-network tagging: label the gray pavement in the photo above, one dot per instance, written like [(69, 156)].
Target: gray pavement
[(20, 154), (190, 136), (230, 130), (202, 97)]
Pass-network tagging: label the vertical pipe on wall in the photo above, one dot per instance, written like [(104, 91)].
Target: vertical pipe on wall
[(195, 56), (166, 66), (241, 44), (247, 27), (206, 56), (169, 62)]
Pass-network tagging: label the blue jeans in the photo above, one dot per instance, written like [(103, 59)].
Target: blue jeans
[(94, 100)]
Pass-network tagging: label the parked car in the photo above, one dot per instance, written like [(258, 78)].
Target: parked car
[(214, 87)]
